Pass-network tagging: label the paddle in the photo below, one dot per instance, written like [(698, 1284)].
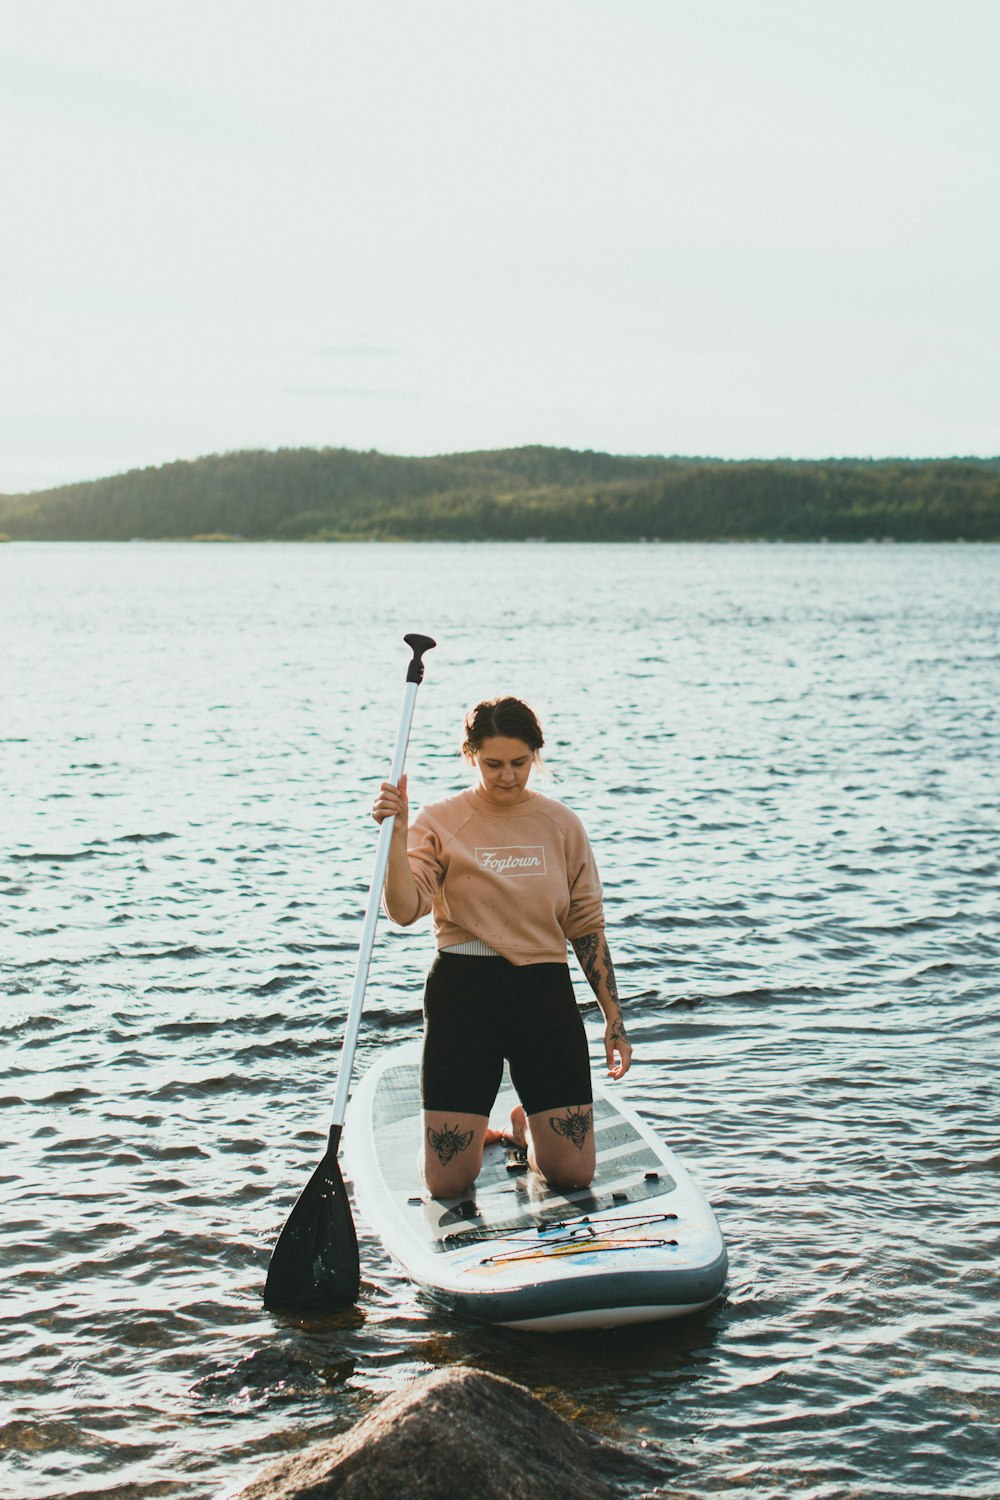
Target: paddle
[(314, 1265)]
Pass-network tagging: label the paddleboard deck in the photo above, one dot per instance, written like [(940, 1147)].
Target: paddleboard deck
[(640, 1244)]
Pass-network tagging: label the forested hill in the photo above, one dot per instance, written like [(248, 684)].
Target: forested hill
[(335, 494)]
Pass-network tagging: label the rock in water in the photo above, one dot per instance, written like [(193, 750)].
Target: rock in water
[(458, 1434)]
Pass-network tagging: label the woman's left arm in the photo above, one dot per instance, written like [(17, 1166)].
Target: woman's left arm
[(595, 961)]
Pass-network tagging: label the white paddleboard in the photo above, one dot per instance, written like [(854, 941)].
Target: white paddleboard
[(639, 1245)]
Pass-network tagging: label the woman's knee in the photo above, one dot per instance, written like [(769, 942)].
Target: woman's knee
[(570, 1179), (443, 1185)]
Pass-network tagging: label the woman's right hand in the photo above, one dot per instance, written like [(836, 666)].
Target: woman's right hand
[(392, 802), (402, 898)]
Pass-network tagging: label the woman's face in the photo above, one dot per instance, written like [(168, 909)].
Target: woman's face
[(504, 766)]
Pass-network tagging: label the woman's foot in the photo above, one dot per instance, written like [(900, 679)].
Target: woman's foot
[(516, 1133)]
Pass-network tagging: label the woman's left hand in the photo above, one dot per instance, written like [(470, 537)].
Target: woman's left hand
[(618, 1048)]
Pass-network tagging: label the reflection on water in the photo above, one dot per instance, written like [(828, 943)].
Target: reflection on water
[(786, 757)]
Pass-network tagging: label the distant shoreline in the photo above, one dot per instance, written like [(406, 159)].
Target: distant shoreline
[(530, 541), (519, 494)]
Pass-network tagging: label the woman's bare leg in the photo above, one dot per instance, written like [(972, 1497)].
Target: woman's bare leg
[(453, 1151)]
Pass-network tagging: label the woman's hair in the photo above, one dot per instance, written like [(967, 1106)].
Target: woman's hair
[(508, 717)]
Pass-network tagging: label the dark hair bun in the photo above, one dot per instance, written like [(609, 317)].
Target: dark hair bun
[(508, 717)]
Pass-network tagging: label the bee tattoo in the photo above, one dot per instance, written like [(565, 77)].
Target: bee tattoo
[(574, 1125), (448, 1142)]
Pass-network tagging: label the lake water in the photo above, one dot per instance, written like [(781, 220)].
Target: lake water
[(787, 758)]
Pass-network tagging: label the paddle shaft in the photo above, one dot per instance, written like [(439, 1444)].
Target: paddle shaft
[(419, 644)]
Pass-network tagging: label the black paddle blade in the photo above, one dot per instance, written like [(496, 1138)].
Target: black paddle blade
[(314, 1265)]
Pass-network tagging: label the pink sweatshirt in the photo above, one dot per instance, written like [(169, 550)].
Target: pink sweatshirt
[(521, 878)]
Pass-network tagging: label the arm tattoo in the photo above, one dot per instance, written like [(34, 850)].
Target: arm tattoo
[(448, 1142), (575, 1125), (585, 949), (595, 961), (609, 970)]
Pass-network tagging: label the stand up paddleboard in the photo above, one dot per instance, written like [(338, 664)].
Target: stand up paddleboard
[(639, 1245)]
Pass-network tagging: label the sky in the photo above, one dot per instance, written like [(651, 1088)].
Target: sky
[(740, 228)]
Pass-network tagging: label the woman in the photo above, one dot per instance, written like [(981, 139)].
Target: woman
[(509, 877)]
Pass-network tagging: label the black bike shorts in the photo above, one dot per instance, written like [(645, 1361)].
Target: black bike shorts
[(478, 1011)]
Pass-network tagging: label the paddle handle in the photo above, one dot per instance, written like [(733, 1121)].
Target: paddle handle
[(414, 676)]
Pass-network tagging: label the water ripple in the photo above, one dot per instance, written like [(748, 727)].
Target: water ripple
[(786, 758)]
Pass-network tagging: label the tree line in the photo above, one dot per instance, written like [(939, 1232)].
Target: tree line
[(560, 494)]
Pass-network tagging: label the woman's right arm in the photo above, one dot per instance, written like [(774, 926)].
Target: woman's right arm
[(402, 899)]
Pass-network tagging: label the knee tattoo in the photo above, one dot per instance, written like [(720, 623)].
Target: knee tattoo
[(448, 1142), (574, 1125)]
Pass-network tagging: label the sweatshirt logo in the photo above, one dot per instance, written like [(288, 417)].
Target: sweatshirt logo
[(512, 859)]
